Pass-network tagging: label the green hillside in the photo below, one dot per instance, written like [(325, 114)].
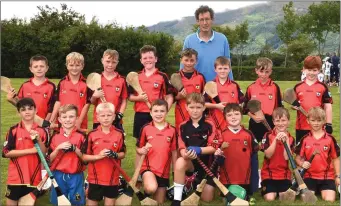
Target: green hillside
[(262, 18)]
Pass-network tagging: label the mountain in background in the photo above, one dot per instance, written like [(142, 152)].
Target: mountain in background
[(262, 18)]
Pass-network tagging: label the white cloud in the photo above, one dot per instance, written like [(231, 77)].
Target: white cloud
[(125, 13)]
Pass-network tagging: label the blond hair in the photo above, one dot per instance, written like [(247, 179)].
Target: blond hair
[(105, 105), (111, 53), (221, 60), (195, 98), (67, 107), (317, 113), (280, 112), (263, 63), (74, 57)]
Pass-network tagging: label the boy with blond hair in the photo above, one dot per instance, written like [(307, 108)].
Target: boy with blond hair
[(323, 174), (197, 137), (113, 88), (276, 174), (312, 93), (192, 81), (104, 145), (228, 92), (39, 88), (72, 89), (69, 172)]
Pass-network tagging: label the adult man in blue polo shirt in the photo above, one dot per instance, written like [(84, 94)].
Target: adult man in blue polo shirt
[(208, 43)]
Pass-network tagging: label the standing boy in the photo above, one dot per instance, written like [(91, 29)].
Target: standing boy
[(69, 171), (197, 138), (104, 145), (276, 174), (192, 81), (312, 93), (24, 172), (39, 88), (228, 92), (323, 174), (113, 88), (72, 89), (162, 136)]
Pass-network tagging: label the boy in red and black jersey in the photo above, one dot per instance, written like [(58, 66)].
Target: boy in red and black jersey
[(72, 89), (104, 145), (155, 85), (241, 145), (312, 93), (228, 92), (197, 137), (113, 88), (39, 88), (276, 174), (162, 137), (323, 174), (192, 81), (24, 169), (69, 171), (267, 92)]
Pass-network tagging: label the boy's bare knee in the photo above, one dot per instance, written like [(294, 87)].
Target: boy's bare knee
[(270, 197)]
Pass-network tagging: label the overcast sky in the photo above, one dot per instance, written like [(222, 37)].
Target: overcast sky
[(124, 13)]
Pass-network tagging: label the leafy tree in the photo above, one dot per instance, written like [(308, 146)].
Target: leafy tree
[(287, 28)]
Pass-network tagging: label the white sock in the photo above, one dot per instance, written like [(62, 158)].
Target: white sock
[(178, 188)]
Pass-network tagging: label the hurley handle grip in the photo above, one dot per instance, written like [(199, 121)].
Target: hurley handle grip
[(310, 160), (291, 159), (41, 155), (208, 171)]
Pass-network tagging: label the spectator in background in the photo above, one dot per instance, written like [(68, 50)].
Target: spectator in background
[(335, 72), (208, 43)]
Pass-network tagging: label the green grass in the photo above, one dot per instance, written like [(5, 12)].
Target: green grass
[(9, 117)]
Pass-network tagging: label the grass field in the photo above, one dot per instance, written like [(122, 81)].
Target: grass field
[(9, 117)]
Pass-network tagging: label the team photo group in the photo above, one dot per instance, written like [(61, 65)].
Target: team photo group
[(207, 154)]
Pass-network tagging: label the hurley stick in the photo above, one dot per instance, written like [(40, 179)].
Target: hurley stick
[(212, 90), (62, 200), (289, 96), (126, 198), (306, 194), (176, 81), (255, 108), (31, 197), (194, 198), (231, 198), (133, 80)]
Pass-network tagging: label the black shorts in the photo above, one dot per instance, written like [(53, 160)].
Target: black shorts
[(247, 187), (319, 185), (140, 119), (97, 192), (161, 182), (276, 186), (300, 134), (258, 129), (15, 192)]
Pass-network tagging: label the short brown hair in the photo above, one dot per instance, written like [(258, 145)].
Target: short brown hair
[(67, 107), (111, 53), (221, 60), (203, 9), (263, 63), (196, 98), (232, 107), (39, 58), (159, 102), (312, 62), (317, 113), (148, 48), (189, 52), (280, 112)]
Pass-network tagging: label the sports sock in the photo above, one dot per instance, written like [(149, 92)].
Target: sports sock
[(178, 188)]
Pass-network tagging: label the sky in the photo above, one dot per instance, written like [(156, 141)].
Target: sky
[(132, 13)]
